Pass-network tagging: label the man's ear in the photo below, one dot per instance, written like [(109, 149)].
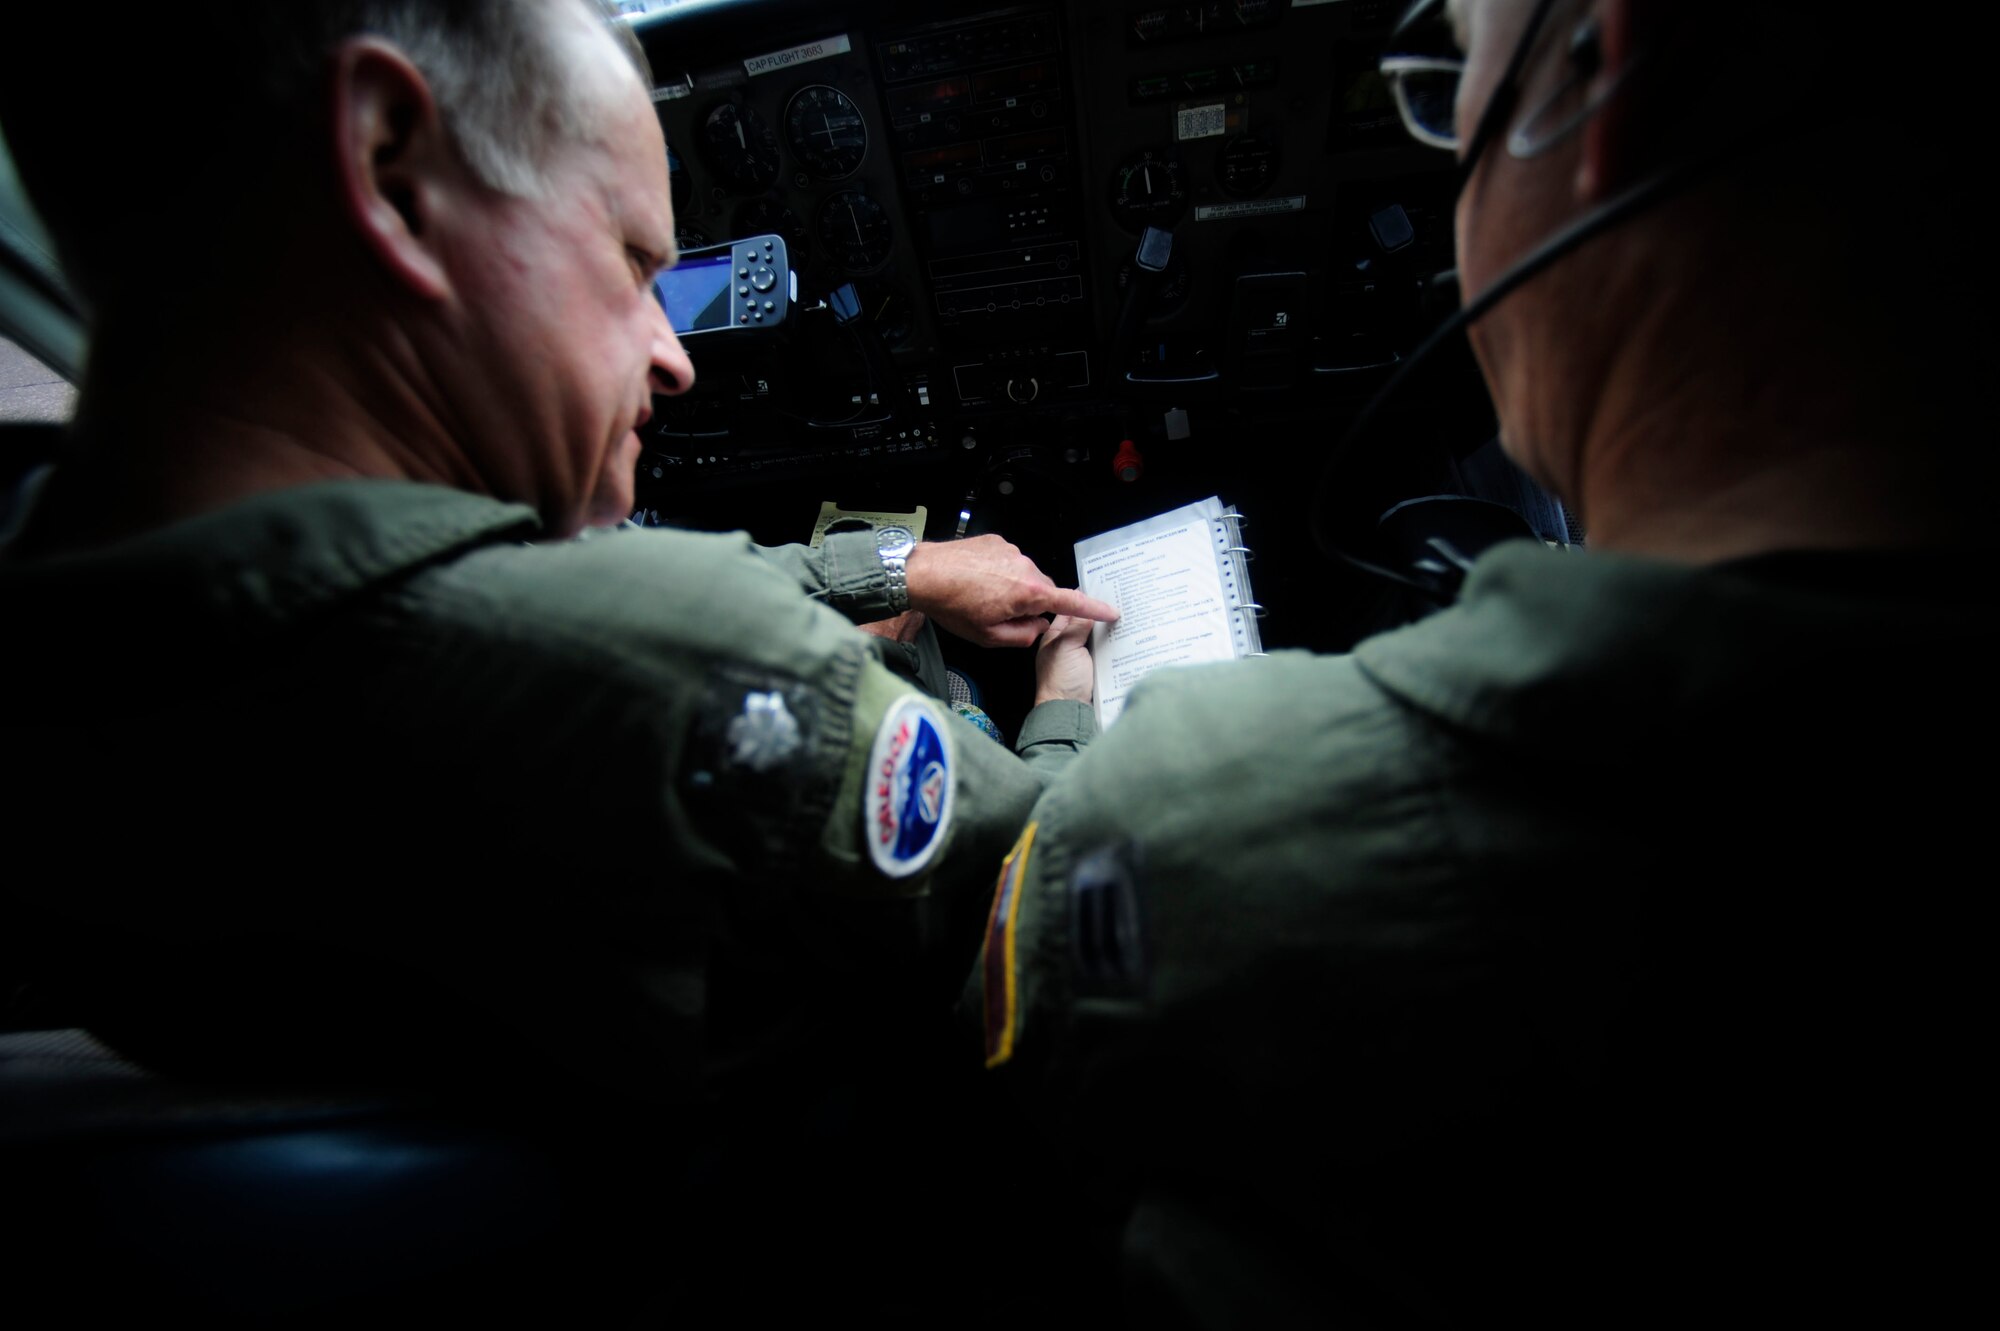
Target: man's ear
[(1613, 149), (394, 160)]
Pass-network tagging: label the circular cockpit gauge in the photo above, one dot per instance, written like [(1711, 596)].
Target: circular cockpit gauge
[(1248, 166), (691, 238), (741, 148), (1147, 191), (855, 231), (826, 132), (767, 217), (888, 312)]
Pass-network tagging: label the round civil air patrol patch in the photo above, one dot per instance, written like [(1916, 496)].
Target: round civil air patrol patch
[(906, 804)]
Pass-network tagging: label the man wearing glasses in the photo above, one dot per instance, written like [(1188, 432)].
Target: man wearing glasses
[(1584, 953)]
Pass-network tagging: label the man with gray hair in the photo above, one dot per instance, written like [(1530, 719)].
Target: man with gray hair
[(414, 779)]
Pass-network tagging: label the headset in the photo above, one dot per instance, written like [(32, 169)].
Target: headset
[(1586, 54)]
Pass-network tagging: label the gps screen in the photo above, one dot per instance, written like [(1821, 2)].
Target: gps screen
[(696, 294)]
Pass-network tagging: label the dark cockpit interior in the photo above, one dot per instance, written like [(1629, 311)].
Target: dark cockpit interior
[(1040, 270), (1053, 269)]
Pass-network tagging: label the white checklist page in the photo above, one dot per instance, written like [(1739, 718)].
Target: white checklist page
[(1163, 577)]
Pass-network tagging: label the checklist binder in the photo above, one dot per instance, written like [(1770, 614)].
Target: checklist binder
[(1181, 582)]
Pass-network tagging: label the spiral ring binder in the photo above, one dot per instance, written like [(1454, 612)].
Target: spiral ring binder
[(1236, 581)]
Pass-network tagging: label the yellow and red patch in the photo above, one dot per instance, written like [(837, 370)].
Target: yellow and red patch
[(1000, 970)]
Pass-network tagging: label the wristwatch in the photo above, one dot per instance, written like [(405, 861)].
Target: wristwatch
[(893, 546)]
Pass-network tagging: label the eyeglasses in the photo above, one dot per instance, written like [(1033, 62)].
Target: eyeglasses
[(1426, 92), (1422, 67), (1426, 86)]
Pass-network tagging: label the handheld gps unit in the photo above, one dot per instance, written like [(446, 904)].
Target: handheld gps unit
[(745, 287)]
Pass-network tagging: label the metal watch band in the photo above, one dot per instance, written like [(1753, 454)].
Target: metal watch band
[(895, 566), (893, 545)]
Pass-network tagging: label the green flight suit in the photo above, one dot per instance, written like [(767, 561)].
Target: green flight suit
[(845, 573), (1582, 954), (357, 777)]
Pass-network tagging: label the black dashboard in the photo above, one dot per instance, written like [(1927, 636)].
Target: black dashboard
[(1108, 257)]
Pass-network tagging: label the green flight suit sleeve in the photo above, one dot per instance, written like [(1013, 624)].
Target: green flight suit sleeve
[(680, 688), (843, 572), (1054, 733)]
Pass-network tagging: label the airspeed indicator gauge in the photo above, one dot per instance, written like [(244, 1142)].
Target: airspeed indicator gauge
[(741, 147)]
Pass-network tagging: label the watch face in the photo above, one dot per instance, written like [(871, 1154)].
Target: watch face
[(894, 540)]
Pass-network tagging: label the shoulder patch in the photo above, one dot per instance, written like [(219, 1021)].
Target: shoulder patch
[(1109, 953), (997, 965), (906, 800)]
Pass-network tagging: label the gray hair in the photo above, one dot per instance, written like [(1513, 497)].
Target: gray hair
[(234, 88), (505, 82)]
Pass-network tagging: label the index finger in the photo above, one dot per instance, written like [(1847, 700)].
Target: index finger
[(1065, 601)]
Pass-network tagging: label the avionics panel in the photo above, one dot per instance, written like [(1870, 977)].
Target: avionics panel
[(980, 115)]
